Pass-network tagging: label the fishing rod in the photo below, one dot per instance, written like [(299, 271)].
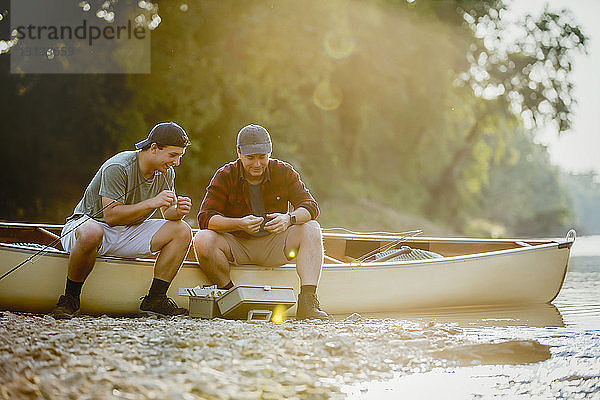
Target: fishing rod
[(388, 246), (410, 233), (43, 249)]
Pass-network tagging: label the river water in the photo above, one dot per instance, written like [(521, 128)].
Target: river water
[(569, 328)]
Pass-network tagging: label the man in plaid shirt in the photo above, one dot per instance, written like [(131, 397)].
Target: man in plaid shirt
[(244, 219)]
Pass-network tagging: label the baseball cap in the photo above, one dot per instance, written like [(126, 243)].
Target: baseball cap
[(254, 139), (165, 134)]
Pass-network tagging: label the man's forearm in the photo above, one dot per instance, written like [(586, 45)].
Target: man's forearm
[(123, 214), (302, 215), (219, 223)]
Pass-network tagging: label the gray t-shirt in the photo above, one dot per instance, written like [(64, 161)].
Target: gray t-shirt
[(120, 178)]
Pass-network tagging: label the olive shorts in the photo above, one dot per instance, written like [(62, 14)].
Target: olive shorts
[(268, 251)]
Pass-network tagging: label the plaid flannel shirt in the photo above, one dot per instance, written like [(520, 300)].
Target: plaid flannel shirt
[(228, 195)]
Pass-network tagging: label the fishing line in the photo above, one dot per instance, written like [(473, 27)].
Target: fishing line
[(43, 250), (412, 233), (169, 186)]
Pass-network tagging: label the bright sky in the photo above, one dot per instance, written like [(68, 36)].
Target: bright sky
[(577, 150)]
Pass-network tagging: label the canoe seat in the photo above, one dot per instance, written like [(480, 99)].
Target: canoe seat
[(403, 255)]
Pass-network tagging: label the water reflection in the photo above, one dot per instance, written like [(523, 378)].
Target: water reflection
[(542, 351), (533, 315), (578, 298)]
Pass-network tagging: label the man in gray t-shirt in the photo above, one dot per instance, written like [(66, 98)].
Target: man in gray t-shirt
[(118, 174), (113, 218)]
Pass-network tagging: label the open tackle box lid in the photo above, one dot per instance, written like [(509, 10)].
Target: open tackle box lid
[(249, 302), (253, 302), (202, 303)]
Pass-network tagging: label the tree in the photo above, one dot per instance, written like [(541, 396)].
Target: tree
[(525, 192), (408, 104), (527, 76)]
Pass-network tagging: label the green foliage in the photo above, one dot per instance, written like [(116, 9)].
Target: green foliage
[(527, 78), (335, 96), (525, 193), (531, 73), (410, 106), (55, 134)]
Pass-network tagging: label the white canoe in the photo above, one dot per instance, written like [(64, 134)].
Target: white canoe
[(472, 272)]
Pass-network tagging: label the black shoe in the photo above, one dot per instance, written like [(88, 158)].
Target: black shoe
[(162, 306), (308, 308), (66, 308)]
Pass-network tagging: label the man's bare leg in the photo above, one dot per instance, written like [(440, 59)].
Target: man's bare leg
[(214, 256), (173, 240), (307, 242), (83, 254), (88, 239)]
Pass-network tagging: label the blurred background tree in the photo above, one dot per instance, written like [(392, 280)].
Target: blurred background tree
[(419, 111)]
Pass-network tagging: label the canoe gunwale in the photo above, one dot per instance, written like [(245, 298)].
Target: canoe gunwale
[(336, 266), (347, 236), (448, 239), (524, 245)]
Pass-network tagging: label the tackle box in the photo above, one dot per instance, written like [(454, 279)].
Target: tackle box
[(202, 303), (255, 302), (248, 302)]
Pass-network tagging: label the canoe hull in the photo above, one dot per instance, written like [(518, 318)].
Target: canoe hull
[(499, 279), (507, 277)]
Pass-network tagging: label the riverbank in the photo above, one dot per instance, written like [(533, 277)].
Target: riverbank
[(187, 358), (545, 352)]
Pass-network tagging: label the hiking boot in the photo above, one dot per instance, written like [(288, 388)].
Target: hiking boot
[(308, 307), (66, 308), (161, 306)]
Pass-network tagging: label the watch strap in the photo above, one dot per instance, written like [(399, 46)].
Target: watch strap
[(292, 219)]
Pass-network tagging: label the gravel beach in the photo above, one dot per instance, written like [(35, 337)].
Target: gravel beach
[(189, 358)]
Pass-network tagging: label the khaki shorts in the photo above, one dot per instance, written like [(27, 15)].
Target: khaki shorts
[(268, 251), (121, 241)]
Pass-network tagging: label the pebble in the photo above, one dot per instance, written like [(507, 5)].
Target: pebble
[(188, 358)]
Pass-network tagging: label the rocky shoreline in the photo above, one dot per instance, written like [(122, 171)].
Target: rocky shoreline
[(189, 358)]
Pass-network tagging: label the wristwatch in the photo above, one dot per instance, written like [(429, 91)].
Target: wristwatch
[(292, 219)]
